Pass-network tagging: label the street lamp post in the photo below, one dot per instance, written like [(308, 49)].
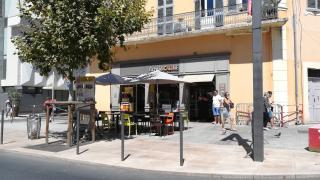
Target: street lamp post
[(257, 122)]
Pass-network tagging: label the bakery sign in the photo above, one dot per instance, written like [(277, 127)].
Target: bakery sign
[(165, 68)]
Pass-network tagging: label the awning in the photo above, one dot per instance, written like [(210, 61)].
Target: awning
[(198, 78)]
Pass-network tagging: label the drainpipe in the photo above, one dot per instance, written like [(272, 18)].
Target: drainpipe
[(294, 23)]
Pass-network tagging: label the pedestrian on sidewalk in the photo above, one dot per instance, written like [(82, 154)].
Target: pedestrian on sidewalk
[(8, 107), (216, 106), (226, 112), (268, 111)]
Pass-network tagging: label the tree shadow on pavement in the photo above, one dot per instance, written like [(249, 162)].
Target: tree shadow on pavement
[(241, 142)]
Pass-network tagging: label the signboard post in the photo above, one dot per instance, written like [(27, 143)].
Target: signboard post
[(85, 92)]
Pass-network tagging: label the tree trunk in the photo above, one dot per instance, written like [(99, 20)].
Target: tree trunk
[(70, 88)]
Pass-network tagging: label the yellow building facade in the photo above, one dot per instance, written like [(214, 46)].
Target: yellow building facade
[(209, 43)]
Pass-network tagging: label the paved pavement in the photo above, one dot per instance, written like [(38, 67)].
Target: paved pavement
[(207, 151)]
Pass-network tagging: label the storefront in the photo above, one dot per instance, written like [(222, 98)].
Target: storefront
[(204, 72)]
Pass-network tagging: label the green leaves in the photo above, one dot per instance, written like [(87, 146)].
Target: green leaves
[(66, 34)]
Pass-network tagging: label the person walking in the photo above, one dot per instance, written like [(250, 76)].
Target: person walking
[(268, 114), (216, 106), (226, 112), (8, 106)]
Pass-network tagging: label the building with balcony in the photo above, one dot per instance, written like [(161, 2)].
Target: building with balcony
[(33, 87), (209, 42)]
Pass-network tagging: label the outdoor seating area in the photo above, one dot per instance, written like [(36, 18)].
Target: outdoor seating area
[(139, 123), (161, 119)]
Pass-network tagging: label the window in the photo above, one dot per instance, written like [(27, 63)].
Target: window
[(314, 4), (165, 16), (232, 5)]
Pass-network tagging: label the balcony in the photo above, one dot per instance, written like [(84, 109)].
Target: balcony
[(197, 22)]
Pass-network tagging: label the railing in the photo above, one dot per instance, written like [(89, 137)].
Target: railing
[(290, 116), (243, 113), (281, 117), (191, 22)]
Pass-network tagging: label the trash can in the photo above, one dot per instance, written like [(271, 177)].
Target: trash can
[(314, 138), (33, 126)]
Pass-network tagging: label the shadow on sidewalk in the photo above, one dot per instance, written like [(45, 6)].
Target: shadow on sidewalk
[(241, 142)]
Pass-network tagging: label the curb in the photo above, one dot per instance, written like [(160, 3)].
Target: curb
[(205, 175)]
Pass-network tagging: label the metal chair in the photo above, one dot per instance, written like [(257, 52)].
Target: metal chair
[(169, 122), (185, 116), (128, 122), (155, 124)]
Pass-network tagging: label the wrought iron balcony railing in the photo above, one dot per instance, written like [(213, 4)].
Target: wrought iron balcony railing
[(191, 22)]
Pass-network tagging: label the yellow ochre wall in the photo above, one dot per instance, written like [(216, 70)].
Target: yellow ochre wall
[(308, 50), (240, 59)]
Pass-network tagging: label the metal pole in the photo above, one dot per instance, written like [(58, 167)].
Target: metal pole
[(47, 125), (181, 138), (294, 23), (78, 130), (52, 95), (257, 125), (2, 122), (122, 136)]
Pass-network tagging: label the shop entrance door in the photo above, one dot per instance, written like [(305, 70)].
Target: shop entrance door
[(314, 95), (200, 101), (314, 98)]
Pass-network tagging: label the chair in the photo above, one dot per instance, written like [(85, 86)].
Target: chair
[(106, 123), (169, 122), (128, 122), (155, 124), (185, 116)]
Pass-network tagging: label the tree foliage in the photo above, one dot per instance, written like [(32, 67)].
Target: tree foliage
[(66, 35)]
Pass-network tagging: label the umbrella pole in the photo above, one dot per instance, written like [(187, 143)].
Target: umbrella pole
[(136, 105), (157, 99), (110, 99)]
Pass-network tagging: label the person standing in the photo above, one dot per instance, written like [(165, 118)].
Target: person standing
[(216, 106), (226, 112)]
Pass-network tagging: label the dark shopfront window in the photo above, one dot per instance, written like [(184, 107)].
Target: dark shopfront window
[(168, 97), (200, 107)]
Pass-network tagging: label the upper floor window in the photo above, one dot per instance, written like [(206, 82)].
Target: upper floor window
[(237, 5), (314, 5)]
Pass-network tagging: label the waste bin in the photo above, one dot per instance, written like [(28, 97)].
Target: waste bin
[(314, 138), (33, 126)]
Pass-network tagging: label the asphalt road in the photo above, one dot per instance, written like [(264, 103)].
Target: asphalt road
[(14, 166)]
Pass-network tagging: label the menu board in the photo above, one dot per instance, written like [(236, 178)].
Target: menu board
[(85, 88)]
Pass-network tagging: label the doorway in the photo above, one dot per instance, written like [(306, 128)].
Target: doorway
[(201, 101), (314, 94)]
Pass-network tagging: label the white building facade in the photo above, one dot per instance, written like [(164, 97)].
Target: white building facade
[(33, 87)]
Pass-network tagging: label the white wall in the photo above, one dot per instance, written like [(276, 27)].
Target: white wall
[(17, 73)]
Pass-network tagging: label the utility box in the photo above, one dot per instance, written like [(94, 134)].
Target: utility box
[(314, 138)]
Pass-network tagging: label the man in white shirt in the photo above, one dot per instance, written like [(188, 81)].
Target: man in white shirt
[(216, 105)]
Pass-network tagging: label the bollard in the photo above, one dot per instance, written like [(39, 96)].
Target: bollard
[(2, 122), (122, 136), (78, 131), (181, 138)]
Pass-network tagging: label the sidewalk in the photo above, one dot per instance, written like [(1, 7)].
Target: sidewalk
[(162, 154)]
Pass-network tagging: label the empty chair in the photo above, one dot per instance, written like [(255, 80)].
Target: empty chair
[(185, 116), (128, 122), (155, 124), (169, 123)]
